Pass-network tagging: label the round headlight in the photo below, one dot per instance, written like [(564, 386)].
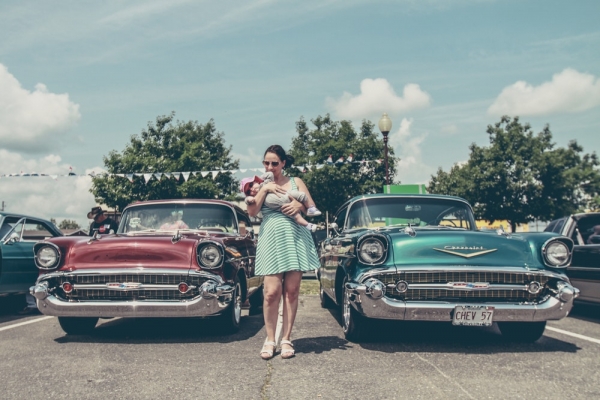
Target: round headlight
[(210, 256), (371, 251), (557, 254), (47, 257)]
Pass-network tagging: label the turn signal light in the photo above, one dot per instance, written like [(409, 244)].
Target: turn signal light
[(67, 287), (183, 287)]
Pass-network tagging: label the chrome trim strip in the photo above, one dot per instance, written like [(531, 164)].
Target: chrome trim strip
[(437, 268), (448, 286), (106, 286), (133, 271)]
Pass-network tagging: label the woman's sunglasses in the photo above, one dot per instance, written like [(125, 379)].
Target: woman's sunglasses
[(272, 163)]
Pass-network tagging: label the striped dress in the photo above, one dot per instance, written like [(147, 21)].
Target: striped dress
[(283, 245)]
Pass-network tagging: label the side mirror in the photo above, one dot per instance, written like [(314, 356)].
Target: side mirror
[(13, 238)]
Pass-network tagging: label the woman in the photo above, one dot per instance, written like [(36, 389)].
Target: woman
[(284, 251)]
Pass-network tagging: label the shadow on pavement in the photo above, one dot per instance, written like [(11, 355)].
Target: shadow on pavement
[(586, 312), (10, 306), (321, 344), (166, 330)]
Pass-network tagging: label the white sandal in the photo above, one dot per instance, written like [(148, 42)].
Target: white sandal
[(265, 353), (287, 353)]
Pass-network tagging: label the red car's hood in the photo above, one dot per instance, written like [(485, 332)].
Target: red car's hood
[(130, 252)]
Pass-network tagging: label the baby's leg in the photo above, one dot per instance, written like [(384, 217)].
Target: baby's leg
[(302, 222)]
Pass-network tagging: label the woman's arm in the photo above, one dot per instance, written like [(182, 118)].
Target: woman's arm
[(294, 206), (271, 187)]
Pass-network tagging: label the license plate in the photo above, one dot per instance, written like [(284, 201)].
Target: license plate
[(473, 315)]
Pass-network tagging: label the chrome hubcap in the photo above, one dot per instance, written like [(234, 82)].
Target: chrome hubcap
[(346, 311), (237, 303)]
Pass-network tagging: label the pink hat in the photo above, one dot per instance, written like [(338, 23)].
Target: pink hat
[(246, 181)]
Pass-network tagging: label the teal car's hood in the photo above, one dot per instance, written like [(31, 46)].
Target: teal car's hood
[(456, 247)]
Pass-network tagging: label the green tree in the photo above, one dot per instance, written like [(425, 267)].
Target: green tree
[(331, 185), (168, 146), (68, 224), (521, 177)]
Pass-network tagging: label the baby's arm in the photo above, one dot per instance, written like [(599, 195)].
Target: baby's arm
[(249, 200)]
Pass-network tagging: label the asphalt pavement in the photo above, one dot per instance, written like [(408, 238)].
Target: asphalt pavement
[(192, 359)]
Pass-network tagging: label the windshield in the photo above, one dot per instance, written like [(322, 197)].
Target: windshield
[(178, 216), (402, 211)]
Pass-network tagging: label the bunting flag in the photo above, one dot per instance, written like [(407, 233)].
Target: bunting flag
[(147, 176)]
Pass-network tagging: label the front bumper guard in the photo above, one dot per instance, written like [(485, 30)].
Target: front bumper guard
[(213, 299), (552, 308)]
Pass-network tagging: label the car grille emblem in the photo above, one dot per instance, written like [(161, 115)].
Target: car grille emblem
[(466, 251), (124, 285), (469, 285)]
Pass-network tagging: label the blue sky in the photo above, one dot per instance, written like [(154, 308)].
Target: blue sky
[(77, 78)]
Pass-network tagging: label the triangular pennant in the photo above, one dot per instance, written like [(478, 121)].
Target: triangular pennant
[(147, 177), (55, 177), (204, 173), (214, 174), (319, 166), (340, 160), (350, 158), (186, 176), (243, 171), (130, 177), (329, 160)]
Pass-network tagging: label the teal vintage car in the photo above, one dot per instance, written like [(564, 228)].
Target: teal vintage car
[(18, 234), (421, 258)]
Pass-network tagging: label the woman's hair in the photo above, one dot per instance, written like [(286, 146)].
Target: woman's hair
[(280, 152)]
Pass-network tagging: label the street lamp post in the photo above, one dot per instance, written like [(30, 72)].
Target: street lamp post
[(385, 125)]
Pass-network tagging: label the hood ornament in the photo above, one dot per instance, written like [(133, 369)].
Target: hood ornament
[(410, 231), (458, 251), (95, 237), (501, 232)]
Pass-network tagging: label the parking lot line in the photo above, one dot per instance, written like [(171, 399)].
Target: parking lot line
[(31, 321), (589, 339)]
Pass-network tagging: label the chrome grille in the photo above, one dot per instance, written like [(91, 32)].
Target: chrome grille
[(443, 277), (130, 295)]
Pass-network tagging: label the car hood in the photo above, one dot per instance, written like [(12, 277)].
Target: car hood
[(130, 252), (455, 247)]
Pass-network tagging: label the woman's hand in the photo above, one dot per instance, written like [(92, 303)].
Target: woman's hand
[(292, 208)]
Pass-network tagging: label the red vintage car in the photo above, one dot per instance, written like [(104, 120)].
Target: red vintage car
[(169, 258)]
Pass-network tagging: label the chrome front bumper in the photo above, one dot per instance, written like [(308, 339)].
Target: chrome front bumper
[(385, 308), (210, 302)]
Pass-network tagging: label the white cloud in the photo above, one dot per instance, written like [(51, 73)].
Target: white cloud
[(411, 168), (569, 91), (31, 121), (67, 197), (378, 96)]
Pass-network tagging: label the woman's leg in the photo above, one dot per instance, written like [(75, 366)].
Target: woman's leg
[(291, 290), (272, 297)]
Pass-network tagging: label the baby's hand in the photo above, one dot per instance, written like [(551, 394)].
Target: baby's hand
[(250, 200)]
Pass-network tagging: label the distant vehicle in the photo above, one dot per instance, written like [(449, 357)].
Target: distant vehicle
[(169, 258), (421, 258), (584, 270), (18, 234)]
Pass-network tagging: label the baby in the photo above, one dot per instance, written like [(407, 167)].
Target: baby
[(251, 185)]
